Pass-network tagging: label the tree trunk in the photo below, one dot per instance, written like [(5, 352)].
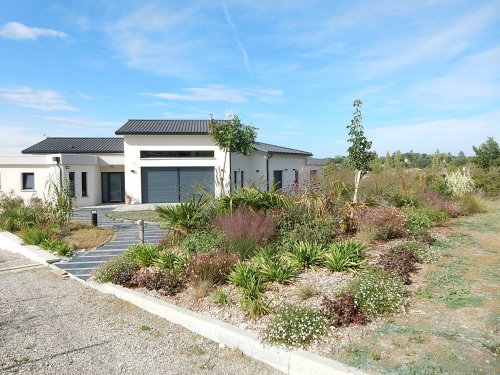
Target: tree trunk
[(222, 174), (357, 180)]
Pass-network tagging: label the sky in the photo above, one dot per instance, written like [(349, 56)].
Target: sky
[(428, 72)]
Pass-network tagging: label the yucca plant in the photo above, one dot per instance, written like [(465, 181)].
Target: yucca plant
[(305, 254), (144, 255), (345, 256), (253, 199), (186, 216)]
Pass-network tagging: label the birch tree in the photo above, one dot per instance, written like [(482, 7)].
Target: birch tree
[(360, 155)]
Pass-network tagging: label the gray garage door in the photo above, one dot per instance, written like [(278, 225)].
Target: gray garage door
[(171, 185)]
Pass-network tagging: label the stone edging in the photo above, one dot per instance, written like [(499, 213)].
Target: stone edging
[(11, 242), (291, 362)]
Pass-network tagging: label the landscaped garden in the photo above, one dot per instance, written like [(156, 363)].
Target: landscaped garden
[(47, 222), (306, 268)]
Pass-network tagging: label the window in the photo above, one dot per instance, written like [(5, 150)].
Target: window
[(84, 184), (242, 181), (177, 154), (235, 181), (72, 183), (296, 177), (28, 181)]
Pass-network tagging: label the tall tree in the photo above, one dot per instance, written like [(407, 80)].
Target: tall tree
[(387, 162), (231, 135), (359, 156), (398, 162), (488, 154)]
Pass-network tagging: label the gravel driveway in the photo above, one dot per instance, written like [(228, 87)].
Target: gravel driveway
[(50, 325)]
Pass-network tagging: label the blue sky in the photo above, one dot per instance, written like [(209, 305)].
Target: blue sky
[(428, 72)]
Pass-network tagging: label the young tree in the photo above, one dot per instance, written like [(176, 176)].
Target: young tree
[(387, 162), (231, 136), (359, 156), (398, 162), (488, 154)]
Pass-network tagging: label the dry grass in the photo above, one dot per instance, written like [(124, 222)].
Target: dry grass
[(88, 237)]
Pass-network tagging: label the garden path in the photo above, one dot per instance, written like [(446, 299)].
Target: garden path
[(127, 233)]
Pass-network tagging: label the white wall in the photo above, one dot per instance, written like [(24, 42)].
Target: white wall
[(255, 168), (134, 144), (43, 167)]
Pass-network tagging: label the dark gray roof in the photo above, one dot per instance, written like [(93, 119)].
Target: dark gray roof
[(272, 149), (316, 161), (181, 127), (77, 145)]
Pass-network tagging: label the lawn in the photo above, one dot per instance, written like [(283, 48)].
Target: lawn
[(86, 237), (146, 215), (453, 324)]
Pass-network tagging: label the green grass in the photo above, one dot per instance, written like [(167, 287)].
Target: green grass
[(361, 356), (146, 215), (449, 286)]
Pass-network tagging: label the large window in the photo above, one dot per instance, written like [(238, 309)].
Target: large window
[(84, 184), (28, 181), (177, 154), (72, 183)]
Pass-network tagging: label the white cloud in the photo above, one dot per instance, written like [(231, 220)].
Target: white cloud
[(448, 135), (44, 100), (18, 31)]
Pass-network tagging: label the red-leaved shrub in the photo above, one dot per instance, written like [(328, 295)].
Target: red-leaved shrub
[(342, 310), (211, 267), (153, 278), (401, 261), (386, 222), (437, 202)]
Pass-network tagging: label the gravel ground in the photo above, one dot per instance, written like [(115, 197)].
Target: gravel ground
[(50, 325)]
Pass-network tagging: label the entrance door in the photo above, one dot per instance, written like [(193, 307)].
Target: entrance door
[(113, 187), (278, 179)]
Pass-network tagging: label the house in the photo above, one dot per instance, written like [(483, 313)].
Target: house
[(152, 161)]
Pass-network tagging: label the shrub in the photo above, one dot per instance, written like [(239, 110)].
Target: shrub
[(10, 201), (437, 184), (419, 221), (460, 183), (168, 260), (386, 222), (58, 247), (166, 282), (58, 206), (119, 270), (36, 235), (212, 267), (187, 216), (423, 252), (488, 180), (143, 254), (305, 254), (438, 203), (347, 255), (253, 199), (377, 292), (16, 218), (244, 230), (203, 241), (470, 205), (403, 198), (275, 268), (401, 261), (295, 326), (309, 230), (342, 310)]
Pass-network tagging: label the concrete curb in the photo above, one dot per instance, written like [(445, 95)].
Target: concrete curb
[(290, 362), (11, 242)]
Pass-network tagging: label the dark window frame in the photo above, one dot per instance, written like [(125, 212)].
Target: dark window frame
[(84, 185), (24, 180), (176, 154), (71, 179), (242, 178), (235, 181)]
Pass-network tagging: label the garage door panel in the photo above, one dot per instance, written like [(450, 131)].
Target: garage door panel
[(160, 185), (174, 184), (194, 180)]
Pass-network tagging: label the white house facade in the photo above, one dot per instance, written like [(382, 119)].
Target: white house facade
[(151, 161)]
